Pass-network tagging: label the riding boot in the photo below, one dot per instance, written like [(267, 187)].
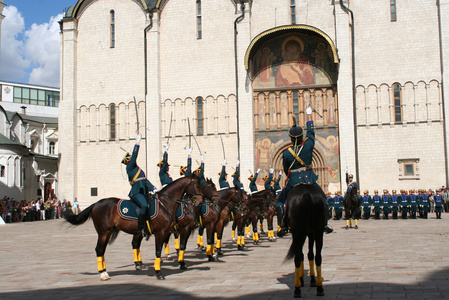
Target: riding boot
[(141, 224), (281, 223)]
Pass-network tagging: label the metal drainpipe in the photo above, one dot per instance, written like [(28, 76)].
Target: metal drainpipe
[(238, 20), (146, 84), (347, 10), (442, 94)]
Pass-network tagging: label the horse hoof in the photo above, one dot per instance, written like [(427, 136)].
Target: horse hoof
[(356, 227), (240, 247), (319, 291), (297, 293), (159, 275), (140, 266), (219, 252), (234, 240), (302, 280), (211, 258), (104, 276), (312, 281), (168, 257), (183, 266)]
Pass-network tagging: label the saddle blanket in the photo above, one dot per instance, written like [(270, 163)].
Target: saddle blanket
[(127, 210)]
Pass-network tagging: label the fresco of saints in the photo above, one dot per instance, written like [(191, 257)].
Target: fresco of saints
[(295, 69)]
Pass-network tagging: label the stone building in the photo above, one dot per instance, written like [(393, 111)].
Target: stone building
[(236, 72)]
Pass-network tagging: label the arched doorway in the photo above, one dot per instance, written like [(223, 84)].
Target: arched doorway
[(292, 67)]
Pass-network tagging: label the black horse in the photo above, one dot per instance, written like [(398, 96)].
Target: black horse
[(306, 218), (352, 205)]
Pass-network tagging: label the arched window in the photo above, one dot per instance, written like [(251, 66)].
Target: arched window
[(51, 148), (296, 105), (393, 10), (112, 123), (397, 100), (199, 116), (112, 29), (2, 171), (293, 11), (199, 30)]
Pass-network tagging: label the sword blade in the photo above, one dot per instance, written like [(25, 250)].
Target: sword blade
[(137, 114)]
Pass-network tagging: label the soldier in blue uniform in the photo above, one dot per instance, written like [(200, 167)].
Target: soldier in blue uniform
[(376, 204), (438, 199), (268, 180), (236, 178), (140, 185), (366, 204), (330, 204), (359, 209), (413, 201), (223, 180), (187, 170), (386, 204), (423, 202), (395, 204), (404, 204), (277, 188), (252, 185), (164, 166), (297, 162), (338, 204)]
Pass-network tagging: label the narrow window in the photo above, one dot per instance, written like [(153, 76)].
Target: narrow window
[(296, 105), (199, 30), (112, 29), (393, 10), (293, 11), (409, 170), (397, 103), (112, 121), (51, 148), (199, 117), (2, 171)]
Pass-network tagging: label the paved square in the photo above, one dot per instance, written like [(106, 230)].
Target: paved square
[(383, 259)]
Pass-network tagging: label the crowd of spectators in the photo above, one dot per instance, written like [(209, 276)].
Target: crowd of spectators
[(36, 210)]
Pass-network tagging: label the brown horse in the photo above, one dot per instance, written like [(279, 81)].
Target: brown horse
[(108, 222), (263, 204), (240, 217), (352, 205)]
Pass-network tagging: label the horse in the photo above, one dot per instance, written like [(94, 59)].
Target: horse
[(240, 215), (190, 219), (263, 204), (352, 204), (306, 218), (108, 222)]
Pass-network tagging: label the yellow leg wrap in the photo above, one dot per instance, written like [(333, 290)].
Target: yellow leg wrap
[(157, 264), (198, 240), (301, 270), (201, 242), (218, 244), (279, 228), (209, 250), (254, 236), (101, 263), (347, 223), (319, 279), (257, 236), (355, 222), (312, 267), (242, 241), (297, 277), (136, 255), (238, 240), (181, 255), (261, 227), (247, 229), (177, 244), (233, 234), (213, 249), (167, 250), (216, 236)]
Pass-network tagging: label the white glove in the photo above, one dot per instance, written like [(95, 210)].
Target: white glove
[(225, 162), (309, 110), (347, 171), (238, 162), (271, 170), (154, 190), (190, 151), (258, 170), (138, 137), (166, 147), (202, 156), (280, 173)]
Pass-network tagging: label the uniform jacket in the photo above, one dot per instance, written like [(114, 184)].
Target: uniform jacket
[(163, 175), (252, 184), (139, 186), (222, 180)]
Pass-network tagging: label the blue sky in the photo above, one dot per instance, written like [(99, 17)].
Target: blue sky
[(30, 41)]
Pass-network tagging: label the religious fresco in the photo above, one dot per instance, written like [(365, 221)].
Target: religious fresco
[(268, 154), (293, 60)]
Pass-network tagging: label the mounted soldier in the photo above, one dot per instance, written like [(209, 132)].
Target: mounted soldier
[(223, 180), (140, 185), (236, 178), (268, 180), (164, 166), (297, 162), (351, 185), (187, 170), (276, 186), (253, 178)]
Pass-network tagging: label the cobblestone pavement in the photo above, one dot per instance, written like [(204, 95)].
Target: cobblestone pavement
[(383, 259)]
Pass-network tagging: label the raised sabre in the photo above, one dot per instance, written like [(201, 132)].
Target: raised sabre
[(169, 128), (222, 146), (137, 114), (190, 134)]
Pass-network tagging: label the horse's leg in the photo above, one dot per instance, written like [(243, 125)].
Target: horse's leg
[(240, 233), (270, 215), (234, 225), (199, 241), (311, 258), (100, 249), (167, 246), (261, 224), (159, 239), (299, 269), (184, 235), (210, 235), (318, 259), (176, 234), (248, 228), (219, 227), (355, 220), (255, 219), (136, 242)]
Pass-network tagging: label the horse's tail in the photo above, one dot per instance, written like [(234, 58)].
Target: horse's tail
[(79, 219), (302, 219)]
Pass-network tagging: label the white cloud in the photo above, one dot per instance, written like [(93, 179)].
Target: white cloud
[(13, 63), (34, 51)]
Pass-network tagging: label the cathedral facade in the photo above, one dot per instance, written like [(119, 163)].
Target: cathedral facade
[(227, 77)]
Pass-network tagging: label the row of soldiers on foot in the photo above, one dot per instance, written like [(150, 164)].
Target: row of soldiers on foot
[(409, 205)]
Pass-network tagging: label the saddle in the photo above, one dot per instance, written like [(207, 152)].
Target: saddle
[(128, 210)]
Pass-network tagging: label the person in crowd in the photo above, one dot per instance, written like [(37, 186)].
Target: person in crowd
[(438, 199), (394, 204), (338, 204), (377, 204), (366, 204), (404, 204), (413, 201), (386, 203)]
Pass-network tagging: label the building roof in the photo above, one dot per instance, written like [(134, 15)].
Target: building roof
[(35, 119), (5, 141), (73, 10)]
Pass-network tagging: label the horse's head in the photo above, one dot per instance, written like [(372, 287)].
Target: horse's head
[(193, 189), (209, 190)]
